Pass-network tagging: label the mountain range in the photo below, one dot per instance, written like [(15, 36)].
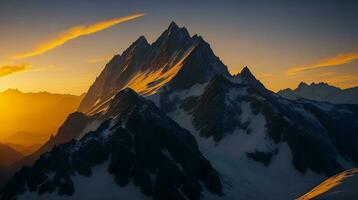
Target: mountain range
[(167, 120), (23, 124), (8, 155), (322, 92)]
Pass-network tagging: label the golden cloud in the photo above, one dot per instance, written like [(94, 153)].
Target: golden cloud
[(11, 69), (333, 61), (75, 32)]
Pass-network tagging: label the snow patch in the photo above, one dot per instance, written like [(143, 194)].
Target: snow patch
[(100, 185), (243, 177)]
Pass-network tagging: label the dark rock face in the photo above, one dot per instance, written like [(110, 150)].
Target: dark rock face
[(211, 113), (199, 67), (73, 126), (140, 143), (342, 130), (248, 78), (316, 133)]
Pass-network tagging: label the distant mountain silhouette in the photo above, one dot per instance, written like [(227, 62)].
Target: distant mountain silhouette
[(22, 115), (8, 155), (322, 92), (24, 150)]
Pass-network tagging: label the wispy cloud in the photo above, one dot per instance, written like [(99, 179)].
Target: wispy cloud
[(339, 59), (11, 69), (75, 32)]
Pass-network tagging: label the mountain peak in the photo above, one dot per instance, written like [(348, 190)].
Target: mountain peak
[(141, 41), (127, 92), (12, 91), (124, 100), (248, 78), (323, 84), (182, 61), (246, 72), (173, 26), (247, 75), (302, 85), (176, 32)]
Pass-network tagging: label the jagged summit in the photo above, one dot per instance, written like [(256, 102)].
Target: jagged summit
[(173, 38), (141, 41), (302, 85), (173, 25), (246, 71), (248, 78), (175, 29), (175, 60)]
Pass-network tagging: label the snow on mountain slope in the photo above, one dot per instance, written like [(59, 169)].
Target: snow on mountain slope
[(174, 59), (312, 139), (258, 143), (144, 151), (88, 188), (322, 92), (252, 136), (342, 186), (244, 177)]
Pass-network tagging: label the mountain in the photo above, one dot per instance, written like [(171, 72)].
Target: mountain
[(3, 171), (194, 130), (322, 92), (252, 135), (24, 123), (8, 155), (136, 147), (75, 125), (24, 150), (175, 60), (339, 187), (26, 138)]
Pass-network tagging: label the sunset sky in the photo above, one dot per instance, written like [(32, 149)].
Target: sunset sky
[(61, 46)]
